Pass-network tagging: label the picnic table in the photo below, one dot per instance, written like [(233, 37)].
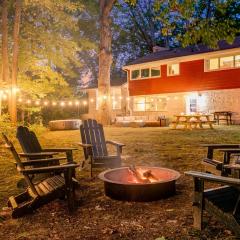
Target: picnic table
[(190, 121)]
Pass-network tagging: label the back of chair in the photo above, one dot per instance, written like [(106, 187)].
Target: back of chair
[(28, 140), (92, 133), (20, 166)]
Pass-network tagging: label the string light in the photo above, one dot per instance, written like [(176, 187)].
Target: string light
[(19, 100), (45, 103), (28, 101), (54, 103), (77, 103), (128, 98), (37, 103), (62, 104), (4, 96), (105, 97), (91, 100), (70, 103), (84, 103)]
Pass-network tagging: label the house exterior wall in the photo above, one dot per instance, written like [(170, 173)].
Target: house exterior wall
[(93, 103), (207, 102), (192, 78)]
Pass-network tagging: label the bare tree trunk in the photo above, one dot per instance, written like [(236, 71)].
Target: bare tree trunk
[(5, 63), (105, 61), (18, 7)]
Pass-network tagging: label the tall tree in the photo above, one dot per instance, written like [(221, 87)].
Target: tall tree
[(17, 19), (105, 60), (5, 62)]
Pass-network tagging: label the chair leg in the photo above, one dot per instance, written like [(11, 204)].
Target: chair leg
[(91, 170), (70, 191)]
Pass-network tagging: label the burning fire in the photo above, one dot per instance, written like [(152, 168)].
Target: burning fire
[(142, 175)]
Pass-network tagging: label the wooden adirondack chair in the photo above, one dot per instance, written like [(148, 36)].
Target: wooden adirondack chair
[(95, 146), (222, 202), (30, 145), (214, 166), (37, 194)]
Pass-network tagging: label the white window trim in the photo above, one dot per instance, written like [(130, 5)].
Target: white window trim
[(172, 75), (220, 69), (150, 73)]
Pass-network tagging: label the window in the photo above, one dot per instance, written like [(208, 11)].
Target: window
[(226, 62), (237, 61), (139, 104), (213, 64), (135, 74), (155, 71), (149, 103), (116, 98), (145, 73), (173, 69)]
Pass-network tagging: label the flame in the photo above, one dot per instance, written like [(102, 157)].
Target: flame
[(144, 174)]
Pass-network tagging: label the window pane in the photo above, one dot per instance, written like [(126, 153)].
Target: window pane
[(135, 74), (139, 104), (213, 64), (173, 69), (226, 62), (237, 61), (193, 105), (155, 71), (145, 72)]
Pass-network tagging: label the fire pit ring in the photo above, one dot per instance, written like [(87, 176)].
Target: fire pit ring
[(121, 184)]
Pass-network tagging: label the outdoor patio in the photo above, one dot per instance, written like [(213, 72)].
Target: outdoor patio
[(99, 217)]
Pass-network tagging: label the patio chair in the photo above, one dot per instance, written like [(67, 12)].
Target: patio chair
[(223, 202), (44, 191), (217, 167), (31, 146), (95, 146)]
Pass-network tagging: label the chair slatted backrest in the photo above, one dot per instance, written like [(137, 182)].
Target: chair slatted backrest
[(92, 133), (20, 166), (28, 140)]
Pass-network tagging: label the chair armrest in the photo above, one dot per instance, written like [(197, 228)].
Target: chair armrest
[(217, 146), (85, 145), (40, 161), (213, 178), (49, 169), (115, 143), (230, 150), (58, 149), (39, 154)]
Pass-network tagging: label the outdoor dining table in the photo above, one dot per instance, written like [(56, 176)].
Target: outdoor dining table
[(192, 120)]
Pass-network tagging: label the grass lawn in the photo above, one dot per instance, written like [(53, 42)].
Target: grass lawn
[(99, 217)]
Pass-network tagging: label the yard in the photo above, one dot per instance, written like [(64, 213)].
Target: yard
[(99, 217)]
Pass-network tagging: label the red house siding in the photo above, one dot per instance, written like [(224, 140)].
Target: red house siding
[(192, 78)]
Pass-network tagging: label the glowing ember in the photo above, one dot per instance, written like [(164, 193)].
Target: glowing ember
[(141, 175)]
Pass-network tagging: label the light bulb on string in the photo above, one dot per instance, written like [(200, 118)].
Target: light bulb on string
[(37, 102), (54, 103), (77, 103), (128, 98), (20, 100), (45, 103), (84, 103), (104, 97), (91, 100), (4, 96), (28, 101), (62, 104), (70, 103)]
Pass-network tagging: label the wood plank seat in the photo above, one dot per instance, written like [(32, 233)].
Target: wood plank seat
[(223, 202), (47, 189)]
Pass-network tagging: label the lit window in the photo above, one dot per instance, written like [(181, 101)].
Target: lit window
[(135, 74), (213, 64), (116, 98), (193, 105), (226, 62), (149, 103), (173, 69), (145, 73), (237, 61), (139, 104), (155, 71)]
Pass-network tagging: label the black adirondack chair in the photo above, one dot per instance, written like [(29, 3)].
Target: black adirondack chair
[(30, 145), (44, 191), (95, 146), (223, 202), (215, 166)]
